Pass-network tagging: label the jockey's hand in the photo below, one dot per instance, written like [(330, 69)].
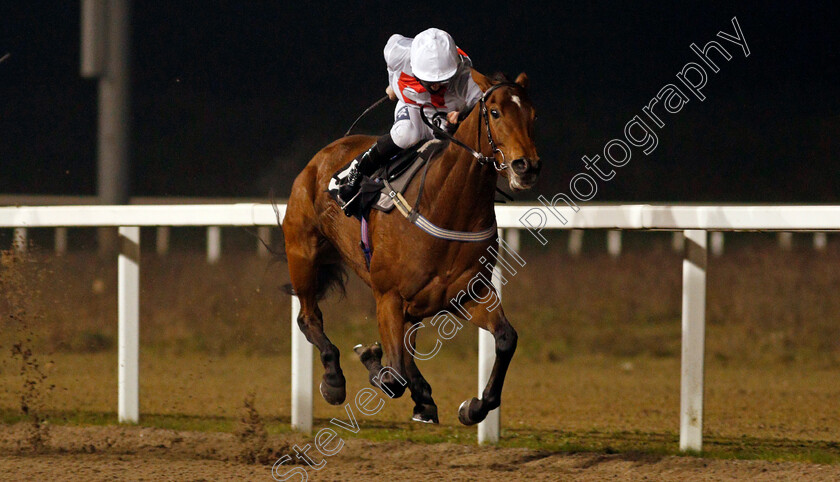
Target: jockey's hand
[(390, 92), (452, 117)]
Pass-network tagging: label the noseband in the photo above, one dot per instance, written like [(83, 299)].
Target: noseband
[(485, 115)]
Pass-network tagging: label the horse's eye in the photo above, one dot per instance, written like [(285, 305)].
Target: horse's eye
[(494, 113)]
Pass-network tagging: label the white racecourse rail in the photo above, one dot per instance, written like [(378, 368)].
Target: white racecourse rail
[(694, 220)]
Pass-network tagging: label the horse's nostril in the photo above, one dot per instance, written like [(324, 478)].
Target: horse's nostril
[(519, 166)]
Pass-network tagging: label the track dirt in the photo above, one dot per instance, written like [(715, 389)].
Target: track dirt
[(593, 392), (135, 453)]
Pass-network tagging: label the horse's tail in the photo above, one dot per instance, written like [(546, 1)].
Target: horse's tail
[(280, 251), (328, 277)]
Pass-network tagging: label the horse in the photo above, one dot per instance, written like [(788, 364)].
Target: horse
[(412, 274)]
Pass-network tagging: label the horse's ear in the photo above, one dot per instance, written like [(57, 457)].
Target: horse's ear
[(483, 82), (522, 80)]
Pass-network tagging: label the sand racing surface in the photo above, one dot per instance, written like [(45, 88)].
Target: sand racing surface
[(110, 453)]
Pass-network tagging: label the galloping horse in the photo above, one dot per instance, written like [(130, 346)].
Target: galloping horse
[(412, 274)]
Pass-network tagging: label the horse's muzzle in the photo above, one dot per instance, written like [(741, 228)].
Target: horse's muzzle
[(525, 172)]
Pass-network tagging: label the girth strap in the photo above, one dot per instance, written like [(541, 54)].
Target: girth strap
[(421, 222)]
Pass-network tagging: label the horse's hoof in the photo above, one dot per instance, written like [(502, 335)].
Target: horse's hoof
[(419, 418), (366, 353), (464, 412), (425, 414), (333, 395)]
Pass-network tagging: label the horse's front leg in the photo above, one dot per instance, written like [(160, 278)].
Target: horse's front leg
[(474, 411), (425, 409), (390, 316)]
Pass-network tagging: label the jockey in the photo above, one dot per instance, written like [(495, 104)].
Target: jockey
[(428, 72)]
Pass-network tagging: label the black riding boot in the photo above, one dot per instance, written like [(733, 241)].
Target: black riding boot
[(366, 163)]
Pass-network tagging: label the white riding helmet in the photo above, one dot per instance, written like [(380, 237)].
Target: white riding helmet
[(434, 56)]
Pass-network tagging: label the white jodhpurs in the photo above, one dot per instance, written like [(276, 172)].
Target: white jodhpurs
[(408, 128)]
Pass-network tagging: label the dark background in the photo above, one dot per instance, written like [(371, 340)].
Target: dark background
[(233, 98)]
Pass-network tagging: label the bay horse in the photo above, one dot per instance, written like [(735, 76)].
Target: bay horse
[(412, 274)]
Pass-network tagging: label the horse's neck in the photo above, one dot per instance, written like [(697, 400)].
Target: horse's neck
[(459, 192)]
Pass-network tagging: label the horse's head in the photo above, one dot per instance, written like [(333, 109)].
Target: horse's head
[(509, 116)]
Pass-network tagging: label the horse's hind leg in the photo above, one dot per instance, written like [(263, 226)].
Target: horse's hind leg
[(425, 409), (304, 273), (474, 411), (391, 379)]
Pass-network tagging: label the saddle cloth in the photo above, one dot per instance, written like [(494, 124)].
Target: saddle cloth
[(373, 193)]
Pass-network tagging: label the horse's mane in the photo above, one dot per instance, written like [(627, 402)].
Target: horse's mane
[(499, 77)]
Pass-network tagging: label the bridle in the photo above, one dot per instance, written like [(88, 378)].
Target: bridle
[(411, 213), (500, 166), (485, 116)]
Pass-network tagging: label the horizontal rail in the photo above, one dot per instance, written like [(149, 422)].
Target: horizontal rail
[(673, 217), (245, 214), (62, 200), (533, 218)]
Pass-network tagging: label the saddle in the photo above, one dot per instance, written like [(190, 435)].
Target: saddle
[(374, 191)]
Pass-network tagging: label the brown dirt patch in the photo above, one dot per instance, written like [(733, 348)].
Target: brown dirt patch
[(598, 362), (109, 453)]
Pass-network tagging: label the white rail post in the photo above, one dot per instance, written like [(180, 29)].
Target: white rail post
[(128, 267), (162, 240), (716, 243), (820, 241), (785, 240), (60, 241), (20, 240), (488, 430), (614, 243), (693, 340), (575, 242), (214, 244), (301, 375), (678, 241), (264, 236)]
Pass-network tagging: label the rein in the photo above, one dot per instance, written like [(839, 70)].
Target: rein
[(483, 115), (418, 219)]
